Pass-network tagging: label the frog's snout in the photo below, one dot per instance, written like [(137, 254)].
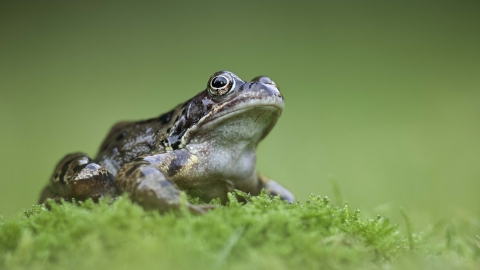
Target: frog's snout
[(267, 86)]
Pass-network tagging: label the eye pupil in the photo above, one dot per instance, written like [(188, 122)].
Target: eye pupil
[(219, 82)]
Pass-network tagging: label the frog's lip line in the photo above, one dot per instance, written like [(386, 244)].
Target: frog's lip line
[(240, 110)]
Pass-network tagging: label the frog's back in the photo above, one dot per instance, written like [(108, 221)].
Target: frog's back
[(128, 140)]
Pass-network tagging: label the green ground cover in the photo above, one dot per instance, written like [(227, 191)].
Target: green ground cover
[(263, 233)]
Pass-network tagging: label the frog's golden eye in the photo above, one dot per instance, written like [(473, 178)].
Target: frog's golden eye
[(221, 84)]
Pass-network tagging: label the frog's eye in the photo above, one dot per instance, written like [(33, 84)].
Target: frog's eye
[(221, 84)]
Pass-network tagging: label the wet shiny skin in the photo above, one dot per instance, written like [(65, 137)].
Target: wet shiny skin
[(205, 147)]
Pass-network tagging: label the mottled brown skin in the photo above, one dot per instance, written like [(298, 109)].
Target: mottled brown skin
[(205, 147)]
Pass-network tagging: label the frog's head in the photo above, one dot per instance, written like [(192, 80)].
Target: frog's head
[(229, 111)]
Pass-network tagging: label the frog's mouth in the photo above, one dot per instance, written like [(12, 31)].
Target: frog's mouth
[(252, 119), (271, 106)]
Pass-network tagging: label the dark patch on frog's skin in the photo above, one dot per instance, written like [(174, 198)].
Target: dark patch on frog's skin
[(136, 166), (201, 147), (165, 118), (121, 135), (181, 160)]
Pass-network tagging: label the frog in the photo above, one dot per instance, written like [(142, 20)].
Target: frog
[(204, 148)]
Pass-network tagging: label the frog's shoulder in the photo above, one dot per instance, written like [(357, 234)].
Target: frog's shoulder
[(128, 139), (118, 132)]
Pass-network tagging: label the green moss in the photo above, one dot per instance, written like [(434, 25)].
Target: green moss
[(265, 232)]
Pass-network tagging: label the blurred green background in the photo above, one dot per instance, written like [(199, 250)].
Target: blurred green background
[(382, 96)]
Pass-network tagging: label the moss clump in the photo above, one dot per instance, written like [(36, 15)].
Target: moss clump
[(265, 233)]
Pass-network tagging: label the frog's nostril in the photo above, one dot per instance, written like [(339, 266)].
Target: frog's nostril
[(265, 79)]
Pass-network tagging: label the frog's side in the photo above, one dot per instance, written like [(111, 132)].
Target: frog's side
[(205, 147)]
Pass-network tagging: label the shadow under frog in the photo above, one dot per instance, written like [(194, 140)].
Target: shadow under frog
[(205, 147)]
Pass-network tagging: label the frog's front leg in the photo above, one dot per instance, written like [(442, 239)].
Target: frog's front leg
[(78, 177), (146, 185), (273, 188)]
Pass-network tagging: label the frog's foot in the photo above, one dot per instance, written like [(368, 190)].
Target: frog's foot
[(273, 188), (78, 177), (147, 186), (48, 193)]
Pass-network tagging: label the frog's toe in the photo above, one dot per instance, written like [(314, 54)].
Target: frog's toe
[(49, 197), (275, 189), (47, 193)]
